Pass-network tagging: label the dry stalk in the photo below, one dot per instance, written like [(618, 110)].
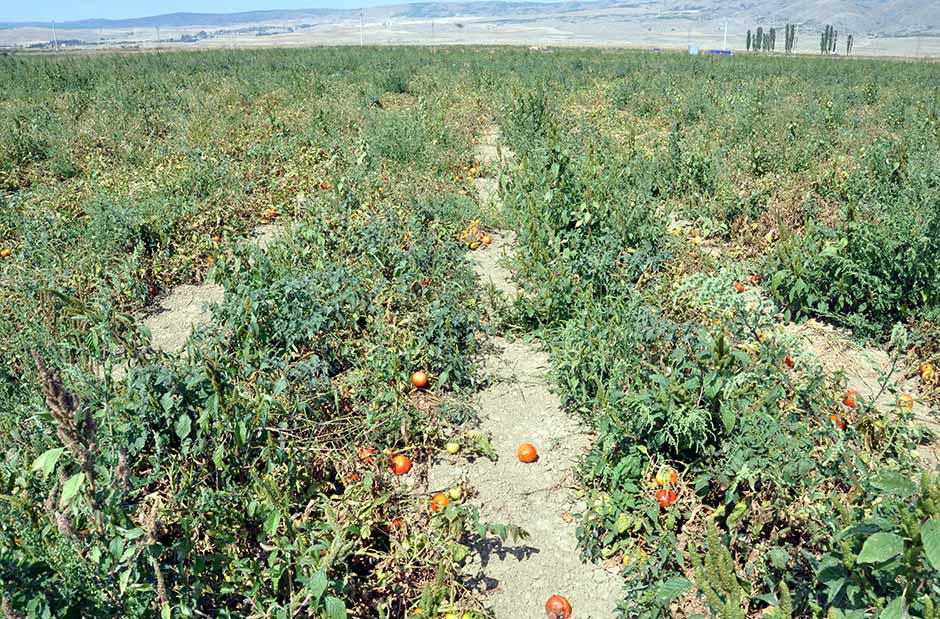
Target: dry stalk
[(152, 527), (63, 406)]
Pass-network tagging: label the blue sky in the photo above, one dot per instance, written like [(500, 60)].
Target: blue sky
[(65, 10)]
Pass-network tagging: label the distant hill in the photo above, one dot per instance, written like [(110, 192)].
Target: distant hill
[(179, 20), (883, 17)]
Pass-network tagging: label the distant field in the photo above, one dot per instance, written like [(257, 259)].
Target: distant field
[(676, 224), (587, 29)]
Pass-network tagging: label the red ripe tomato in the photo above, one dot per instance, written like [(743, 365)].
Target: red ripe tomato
[(666, 497), (849, 399), (756, 280), (739, 286), (366, 453), (558, 607), (324, 186), (401, 465), (837, 421), (788, 362)]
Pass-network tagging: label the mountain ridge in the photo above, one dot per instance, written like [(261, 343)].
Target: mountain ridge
[(876, 16)]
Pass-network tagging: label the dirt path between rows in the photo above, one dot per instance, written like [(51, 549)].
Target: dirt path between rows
[(516, 578), (187, 306)]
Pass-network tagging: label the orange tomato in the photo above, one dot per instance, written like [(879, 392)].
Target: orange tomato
[(558, 607), (906, 400), (837, 421), (439, 502), (366, 453), (667, 476), (210, 260), (401, 464), (419, 379), (5, 252), (527, 453), (739, 286)]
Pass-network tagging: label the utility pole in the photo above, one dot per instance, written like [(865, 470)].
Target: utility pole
[(361, 29), (55, 38), (158, 34), (724, 45)]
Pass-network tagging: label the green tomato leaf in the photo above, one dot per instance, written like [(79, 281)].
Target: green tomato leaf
[(183, 426), (133, 533), (880, 547), (894, 610), (729, 417), (930, 536), (71, 487), (318, 584), (893, 482), (47, 460), (672, 588), (335, 609), (740, 509), (623, 522), (125, 578), (778, 557), (272, 523)]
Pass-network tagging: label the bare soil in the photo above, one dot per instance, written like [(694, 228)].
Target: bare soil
[(184, 308), (488, 263)]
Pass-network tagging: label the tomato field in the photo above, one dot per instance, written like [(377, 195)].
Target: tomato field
[(691, 238)]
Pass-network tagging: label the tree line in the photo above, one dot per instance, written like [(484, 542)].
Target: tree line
[(766, 40)]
